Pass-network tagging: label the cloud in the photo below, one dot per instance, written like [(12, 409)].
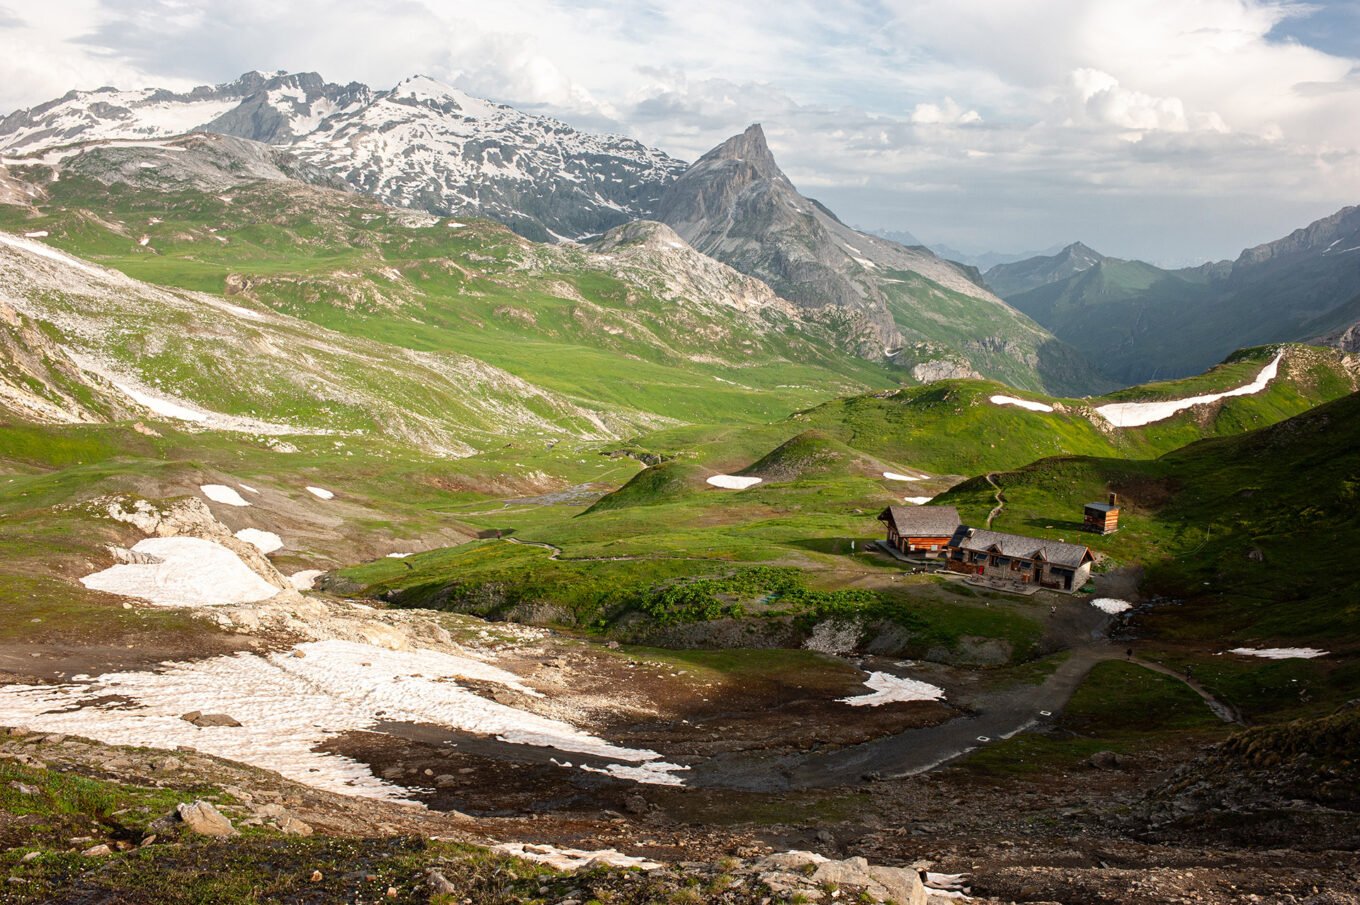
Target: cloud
[(993, 122), (946, 113)]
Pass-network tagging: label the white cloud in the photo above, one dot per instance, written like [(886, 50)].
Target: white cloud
[(946, 113), (1002, 122)]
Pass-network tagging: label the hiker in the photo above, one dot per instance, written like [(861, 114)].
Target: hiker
[(1129, 654)]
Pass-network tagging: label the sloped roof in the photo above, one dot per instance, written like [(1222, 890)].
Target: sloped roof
[(1103, 507), (922, 521), (980, 540)]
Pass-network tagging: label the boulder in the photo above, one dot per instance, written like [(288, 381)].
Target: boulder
[(203, 818), (895, 884), (291, 826), (204, 720)]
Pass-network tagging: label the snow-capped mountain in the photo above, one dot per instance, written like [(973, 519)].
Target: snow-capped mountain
[(422, 144)]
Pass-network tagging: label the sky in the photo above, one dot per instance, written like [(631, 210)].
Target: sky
[(1175, 131)]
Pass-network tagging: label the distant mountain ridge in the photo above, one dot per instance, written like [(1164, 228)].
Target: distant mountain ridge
[(1031, 273), (421, 144), (1136, 321)]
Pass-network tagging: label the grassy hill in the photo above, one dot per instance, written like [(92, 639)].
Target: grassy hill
[(953, 427)]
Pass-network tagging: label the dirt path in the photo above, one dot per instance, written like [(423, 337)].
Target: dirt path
[(1000, 500), (1225, 712), (996, 716)]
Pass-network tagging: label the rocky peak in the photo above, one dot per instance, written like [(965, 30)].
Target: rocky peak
[(750, 148)]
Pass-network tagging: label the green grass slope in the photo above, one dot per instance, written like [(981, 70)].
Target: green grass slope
[(953, 427)]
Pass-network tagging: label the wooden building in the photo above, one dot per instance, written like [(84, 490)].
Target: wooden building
[(921, 530), (1102, 518), (1014, 557)]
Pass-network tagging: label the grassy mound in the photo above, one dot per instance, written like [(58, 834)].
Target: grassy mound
[(813, 454), (664, 483)]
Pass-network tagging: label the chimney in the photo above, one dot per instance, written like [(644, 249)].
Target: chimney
[(1114, 499)]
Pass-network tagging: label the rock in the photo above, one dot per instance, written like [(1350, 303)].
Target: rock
[(203, 818), (636, 804), (96, 851), (31, 856), (1105, 760), (23, 788), (292, 826), (895, 884), (391, 892), (438, 883), (149, 840), (316, 876), (205, 720), (167, 764), (825, 837)]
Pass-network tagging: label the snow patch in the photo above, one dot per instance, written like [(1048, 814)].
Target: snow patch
[(398, 555), (1111, 605), (891, 689), (183, 571), (290, 706), (264, 541), (894, 476), (572, 859), (917, 500), (1022, 403), (1136, 414), (320, 493), (221, 493), (1280, 653), (732, 482), (306, 579), (36, 234)]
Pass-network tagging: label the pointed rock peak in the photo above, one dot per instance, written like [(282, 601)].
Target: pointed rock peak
[(1082, 251), (750, 147)]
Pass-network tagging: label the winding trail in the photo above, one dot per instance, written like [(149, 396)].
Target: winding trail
[(996, 716), (1000, 500)]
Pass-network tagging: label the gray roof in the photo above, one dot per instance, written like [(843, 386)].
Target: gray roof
[(980, 540), (923, 521), (1103, 507)]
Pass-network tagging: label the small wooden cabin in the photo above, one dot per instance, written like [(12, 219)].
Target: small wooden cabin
[(921, 530), (1102, 518)]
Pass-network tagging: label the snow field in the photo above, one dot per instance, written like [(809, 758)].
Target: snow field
[(264, 541), (320, 493), (290, 705), (1136, 414), (891, 689), (917, 500), (894, 476), (221, 493), (187, 571), (732, 482), (306, 579)]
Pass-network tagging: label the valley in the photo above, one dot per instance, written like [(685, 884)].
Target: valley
[(450, 565)]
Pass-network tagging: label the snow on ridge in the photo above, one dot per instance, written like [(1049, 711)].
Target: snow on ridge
[(1022, 403), (289, 706), (1137, 414)]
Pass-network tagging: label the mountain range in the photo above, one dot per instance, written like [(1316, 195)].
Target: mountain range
[(429, 147), (1136, 321)]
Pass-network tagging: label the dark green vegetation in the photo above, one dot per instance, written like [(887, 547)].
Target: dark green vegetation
[(1138, 322)]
